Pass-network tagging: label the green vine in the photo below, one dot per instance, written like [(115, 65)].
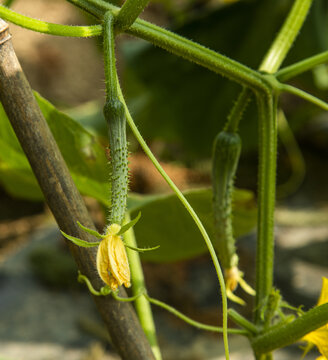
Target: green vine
[(49, 28), (129, 12), (192, 213)]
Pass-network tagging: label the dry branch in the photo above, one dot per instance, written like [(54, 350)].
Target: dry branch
[(60, 193)]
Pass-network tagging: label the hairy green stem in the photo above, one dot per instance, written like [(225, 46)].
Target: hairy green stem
[(90, 9), (138, 285), (238, 110), (189, 50), (242, 322), (266, 200), (192, 213), (109, 56), (304, 95), (49, 28), (129, 12), (275, 55), (302, 66), (291, 332), (286, 36)]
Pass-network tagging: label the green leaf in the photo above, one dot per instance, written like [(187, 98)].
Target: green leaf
[(80, 242), (166, 222), (91, 232), (16, 174), (129, 225), (81, 150)]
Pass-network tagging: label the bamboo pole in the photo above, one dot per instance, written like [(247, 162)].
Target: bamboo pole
[(61, 195)]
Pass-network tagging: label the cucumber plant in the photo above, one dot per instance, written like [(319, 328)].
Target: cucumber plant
[(265, 85)]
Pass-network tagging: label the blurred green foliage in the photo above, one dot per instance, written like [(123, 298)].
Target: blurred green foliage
[(54, 267), (165, 222), (180, 102), (83, 154)]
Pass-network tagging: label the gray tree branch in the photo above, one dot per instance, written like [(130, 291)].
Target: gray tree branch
[(62, 196)]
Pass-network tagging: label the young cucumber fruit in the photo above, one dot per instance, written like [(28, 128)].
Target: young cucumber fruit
[(227, 147), (115, 115)]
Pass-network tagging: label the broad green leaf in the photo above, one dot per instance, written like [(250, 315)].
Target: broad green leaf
[(83, 154), (15, 173), (165, 222)]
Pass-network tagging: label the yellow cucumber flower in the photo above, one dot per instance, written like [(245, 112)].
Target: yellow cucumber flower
[(112, 262), (319, 337)]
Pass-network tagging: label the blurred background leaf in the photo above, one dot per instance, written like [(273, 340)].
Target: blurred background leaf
[(179, 102), (83, 154), (166, 222)]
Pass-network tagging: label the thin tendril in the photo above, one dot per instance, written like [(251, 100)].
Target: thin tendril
[(192, 214)]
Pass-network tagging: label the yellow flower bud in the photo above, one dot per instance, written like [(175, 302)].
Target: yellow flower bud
[(112, 262)]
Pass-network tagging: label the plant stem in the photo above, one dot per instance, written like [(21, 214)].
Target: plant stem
[(91, 9), (275, 55), (138, 285), (266, 200), (242, 322), (189, 50), (129, 12), (300, 67), (109, 57), (61, 194), (289, 333), (287, 34), (304, 95), (237, 110), (49, 28), (192, 213)]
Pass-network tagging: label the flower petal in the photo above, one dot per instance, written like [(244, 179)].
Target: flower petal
[(324, 292), (319, 338), (103, 262), (118, 260)]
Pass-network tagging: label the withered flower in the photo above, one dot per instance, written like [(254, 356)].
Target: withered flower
[(112, 262)]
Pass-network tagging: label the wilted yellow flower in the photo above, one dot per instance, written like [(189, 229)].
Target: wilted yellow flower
[(112, 262), (234, 277), (319, 337)]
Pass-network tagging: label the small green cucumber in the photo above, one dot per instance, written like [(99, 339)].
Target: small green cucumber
[(227, 147), (115, 115)]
